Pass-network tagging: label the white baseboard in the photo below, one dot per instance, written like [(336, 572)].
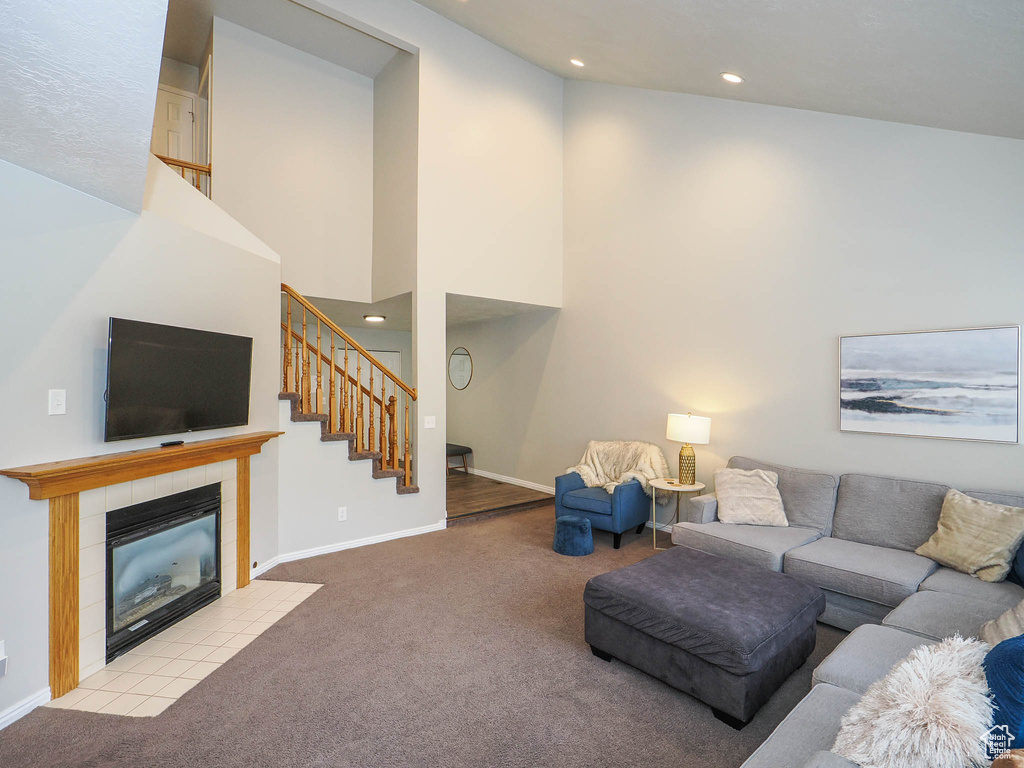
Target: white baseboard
[(512, 480), (339, 546), (661, 526), (23, 707)]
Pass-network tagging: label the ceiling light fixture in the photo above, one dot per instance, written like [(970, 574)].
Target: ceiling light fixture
[(729, 77), (577, 63), (374, 318)]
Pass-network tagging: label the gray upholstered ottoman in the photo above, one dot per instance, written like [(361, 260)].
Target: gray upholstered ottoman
[(724, 631)]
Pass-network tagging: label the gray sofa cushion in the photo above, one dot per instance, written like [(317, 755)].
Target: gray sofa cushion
[(878, 574), (885, 512), (811, 727), (849, 613), (757, 544), (956, 583), (938, 615), (828, 760), (808, 496), (999, 497), (865, 656)]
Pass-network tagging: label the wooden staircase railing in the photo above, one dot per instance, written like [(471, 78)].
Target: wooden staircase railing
[(199, 176), (351, 403)]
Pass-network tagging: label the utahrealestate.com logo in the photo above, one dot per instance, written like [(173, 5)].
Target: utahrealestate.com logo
[(998, 741)]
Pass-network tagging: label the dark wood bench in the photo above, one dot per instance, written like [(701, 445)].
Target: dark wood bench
[(451, 449)]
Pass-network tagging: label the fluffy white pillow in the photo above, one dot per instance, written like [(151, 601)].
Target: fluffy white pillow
[(750, 497), (931, 711)]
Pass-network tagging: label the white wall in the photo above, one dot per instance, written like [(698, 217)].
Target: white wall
[(716, 250), (71, 262), (292, 152), (395, 165), (489, 206), (178, 74)]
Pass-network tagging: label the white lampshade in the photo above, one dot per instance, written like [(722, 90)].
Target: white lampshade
[(687, 428)]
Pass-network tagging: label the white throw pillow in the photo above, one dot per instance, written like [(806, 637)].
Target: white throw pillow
[(750, 497), (931, 711), (1010, 624)]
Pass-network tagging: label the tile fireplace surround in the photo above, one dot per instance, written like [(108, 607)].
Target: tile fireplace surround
[(82, 491), (92, 545)]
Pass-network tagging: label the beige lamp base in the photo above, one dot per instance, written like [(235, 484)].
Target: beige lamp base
[(687, 465)]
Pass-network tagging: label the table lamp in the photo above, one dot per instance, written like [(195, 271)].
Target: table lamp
[(686, 429)]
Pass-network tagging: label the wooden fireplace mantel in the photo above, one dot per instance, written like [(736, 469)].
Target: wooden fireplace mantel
[(62, 481)]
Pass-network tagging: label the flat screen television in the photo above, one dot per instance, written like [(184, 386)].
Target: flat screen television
[(164, 380)]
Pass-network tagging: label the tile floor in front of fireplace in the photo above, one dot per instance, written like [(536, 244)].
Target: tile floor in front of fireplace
[(149, 678)]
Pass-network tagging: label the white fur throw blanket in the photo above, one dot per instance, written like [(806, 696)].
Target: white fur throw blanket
[(607, 463)]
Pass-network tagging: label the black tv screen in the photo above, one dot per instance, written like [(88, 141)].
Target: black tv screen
[(164, 380)]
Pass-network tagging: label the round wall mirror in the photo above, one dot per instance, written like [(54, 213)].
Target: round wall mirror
[(460, 368)]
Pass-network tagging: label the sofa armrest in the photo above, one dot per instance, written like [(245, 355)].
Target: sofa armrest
[(565, 483), (702, 509)]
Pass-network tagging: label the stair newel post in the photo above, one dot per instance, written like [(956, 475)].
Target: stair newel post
[(370, 427), (332, 406), (288, 350), (319, 371), (359, 402), (393, 432), (346, 413), (382, 442), (408, 465)]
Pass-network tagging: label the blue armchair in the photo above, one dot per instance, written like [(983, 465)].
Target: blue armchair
[(627, 507)]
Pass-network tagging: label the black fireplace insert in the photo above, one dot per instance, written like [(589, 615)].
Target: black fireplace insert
[(163, 563)]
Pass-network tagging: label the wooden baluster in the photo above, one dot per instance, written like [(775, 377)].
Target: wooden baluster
[(297, 367), (382, 442), (319, 371), (359, 402), (346, 412), (370, 431), (288, 350), (305, 366), (393, 437), (352, 409), (332, 406), (408, 464)]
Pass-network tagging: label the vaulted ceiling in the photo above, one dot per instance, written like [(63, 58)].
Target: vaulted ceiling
[(78, 88), (956, 64)]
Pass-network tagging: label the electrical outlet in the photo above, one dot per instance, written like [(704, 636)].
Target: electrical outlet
[(429, 422), (58, 402), (342, 514), (3, 659)]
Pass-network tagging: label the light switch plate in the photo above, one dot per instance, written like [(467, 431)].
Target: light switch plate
[(3, 659), (429, 422), (58, 402)]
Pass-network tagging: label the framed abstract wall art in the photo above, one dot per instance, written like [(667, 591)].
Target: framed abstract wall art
[(958, 385)]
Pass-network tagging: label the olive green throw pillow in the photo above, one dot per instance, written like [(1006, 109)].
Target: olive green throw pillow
[(975, 536)]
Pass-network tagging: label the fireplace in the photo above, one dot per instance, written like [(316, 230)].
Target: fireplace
[(163, 563)]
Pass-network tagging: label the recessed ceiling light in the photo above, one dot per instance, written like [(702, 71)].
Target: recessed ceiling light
[(577, 62), (374, 318), (729, 77)]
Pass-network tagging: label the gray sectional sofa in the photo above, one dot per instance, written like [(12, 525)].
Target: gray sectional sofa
[(854, 536)]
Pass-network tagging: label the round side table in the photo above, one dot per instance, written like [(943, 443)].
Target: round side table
[(674, 486)]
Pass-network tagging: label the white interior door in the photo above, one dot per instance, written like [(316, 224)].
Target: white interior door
[(173, 125)]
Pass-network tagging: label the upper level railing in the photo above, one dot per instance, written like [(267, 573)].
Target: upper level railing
[(199, 176), (363, 396)]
